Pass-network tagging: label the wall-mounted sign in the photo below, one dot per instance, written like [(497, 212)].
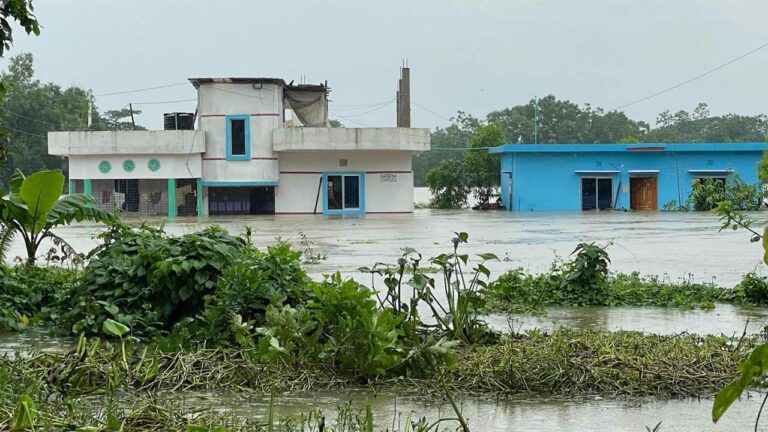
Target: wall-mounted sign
[(388, 178)]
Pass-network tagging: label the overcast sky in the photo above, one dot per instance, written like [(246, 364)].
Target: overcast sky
[(473, 55)]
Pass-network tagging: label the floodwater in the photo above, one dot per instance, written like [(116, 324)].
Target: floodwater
[(674, 246), (724, 319), (491, 415), (671, 245)]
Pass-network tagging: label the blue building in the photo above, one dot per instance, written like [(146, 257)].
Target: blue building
[(572, 177)]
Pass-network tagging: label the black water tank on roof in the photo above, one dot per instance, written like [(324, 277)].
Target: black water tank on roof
[(178, 121)]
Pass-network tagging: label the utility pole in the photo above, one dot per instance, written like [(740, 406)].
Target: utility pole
[(535, 120), (133, 123)]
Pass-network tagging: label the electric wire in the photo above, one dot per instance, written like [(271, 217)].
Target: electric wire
[(432, 112), (372, 111), (361, 107), (23, 132), (141, 89), (690, 80), (164, 102)]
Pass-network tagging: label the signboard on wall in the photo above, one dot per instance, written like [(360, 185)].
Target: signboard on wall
[(388, 178)]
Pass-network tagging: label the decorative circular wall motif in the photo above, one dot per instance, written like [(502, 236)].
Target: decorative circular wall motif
[(153, 165), (105, 166), (129, 165)]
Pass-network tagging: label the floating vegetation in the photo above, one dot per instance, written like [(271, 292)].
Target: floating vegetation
[(586, 280)]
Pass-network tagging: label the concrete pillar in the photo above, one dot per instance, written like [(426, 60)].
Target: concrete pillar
[(87, 189), (71, 187), (200, 197), (171, 198)]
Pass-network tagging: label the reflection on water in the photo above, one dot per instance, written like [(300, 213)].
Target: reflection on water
[(502, 415), (724, 319), (25, 343)]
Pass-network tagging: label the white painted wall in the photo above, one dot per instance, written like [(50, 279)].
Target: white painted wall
[(300, 173), (307, 139), (126, 142), (263, 104), (171, 166)]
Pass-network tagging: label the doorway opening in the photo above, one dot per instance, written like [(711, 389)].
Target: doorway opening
[(241, 200), (596, 193), (643, 193), (344, 193)]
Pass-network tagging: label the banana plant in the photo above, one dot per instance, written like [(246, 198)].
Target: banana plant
[(35, 205)]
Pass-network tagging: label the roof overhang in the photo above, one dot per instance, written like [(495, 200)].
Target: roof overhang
[(711, 172), (597, 172), (633, 148), (236, 80)]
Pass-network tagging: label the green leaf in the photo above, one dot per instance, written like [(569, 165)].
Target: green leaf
[(753, 368), (40, 191), (114, 328), (24, 415), (488, 256), (462, 236), (16, 179)]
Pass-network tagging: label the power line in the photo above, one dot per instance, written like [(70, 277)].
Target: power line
[(23, 132), (360, 107), (373, 110), (431, 112), (141, 89), (676, 86), (30, 118), (163, 102), (353, 121)]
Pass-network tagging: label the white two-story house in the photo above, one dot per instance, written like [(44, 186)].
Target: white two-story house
[(238, 155)]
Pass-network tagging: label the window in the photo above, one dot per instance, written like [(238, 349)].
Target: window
[(344, 193), (238, 137), (596, 193)]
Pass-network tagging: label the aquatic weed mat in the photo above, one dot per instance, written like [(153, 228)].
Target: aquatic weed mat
[(566, 362)]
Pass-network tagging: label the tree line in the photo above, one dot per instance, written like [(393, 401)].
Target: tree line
[(31, 108), (455, 173)]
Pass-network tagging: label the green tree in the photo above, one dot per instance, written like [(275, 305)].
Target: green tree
[(444, 141), (30, 109), (35, 206), (448, 185), (20, 11), (481, 168), (120, 120)]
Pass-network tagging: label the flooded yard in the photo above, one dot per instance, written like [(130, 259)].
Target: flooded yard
[(500, 415), (675, 246)]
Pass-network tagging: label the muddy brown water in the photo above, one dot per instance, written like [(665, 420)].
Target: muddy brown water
[(516, 414), (671, 245)]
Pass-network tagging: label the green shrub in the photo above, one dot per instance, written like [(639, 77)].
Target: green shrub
[(26, 292), (707, 193), (754, 288), (448, 185), (149, 280), (584, 278)]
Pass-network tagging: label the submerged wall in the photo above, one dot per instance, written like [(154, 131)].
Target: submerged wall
[(388, 179), (551, 180)]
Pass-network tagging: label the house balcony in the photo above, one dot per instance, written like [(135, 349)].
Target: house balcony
[(86, 143), (302, 139)]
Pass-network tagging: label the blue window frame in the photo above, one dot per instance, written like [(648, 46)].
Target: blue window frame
[(343, 193), (238, 137)]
